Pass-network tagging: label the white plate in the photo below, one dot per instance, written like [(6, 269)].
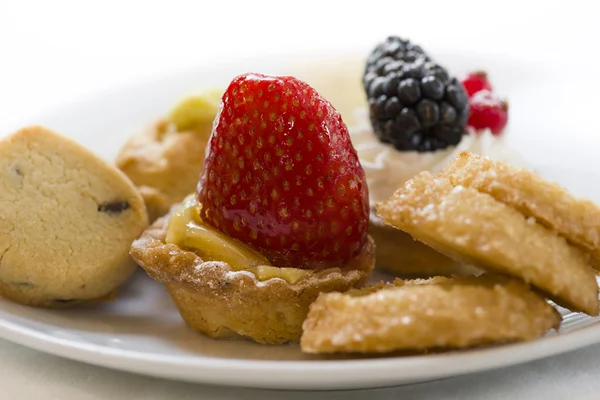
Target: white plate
[(142, 331)]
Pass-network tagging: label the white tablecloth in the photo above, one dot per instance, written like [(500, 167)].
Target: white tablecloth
[(53, 52)]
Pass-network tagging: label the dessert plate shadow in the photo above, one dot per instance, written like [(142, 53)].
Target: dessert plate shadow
[(142, 332)]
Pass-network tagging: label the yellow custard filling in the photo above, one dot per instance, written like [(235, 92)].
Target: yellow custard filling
[(187, 230), (196, 110)]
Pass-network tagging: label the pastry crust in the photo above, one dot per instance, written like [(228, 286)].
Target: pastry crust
[(475, 228), (398, 253), (577, 219), (222, 303), (164, 164), (437, 313)]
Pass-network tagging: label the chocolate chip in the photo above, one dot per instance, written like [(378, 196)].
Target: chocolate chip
[(65, 301), (113, 207), (3, 253), (23, 284), (16, 175)]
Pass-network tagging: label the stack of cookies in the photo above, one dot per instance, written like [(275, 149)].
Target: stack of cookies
[(506, 220), (535, 240)]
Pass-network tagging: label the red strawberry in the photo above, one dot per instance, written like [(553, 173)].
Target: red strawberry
[(476, 82), (282, 175)]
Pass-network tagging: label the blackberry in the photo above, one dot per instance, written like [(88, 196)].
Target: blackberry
[(414, 104)]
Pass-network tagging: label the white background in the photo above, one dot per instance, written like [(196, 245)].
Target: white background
[(57, 52)]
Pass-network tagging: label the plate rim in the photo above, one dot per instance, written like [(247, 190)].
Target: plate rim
[(413, 368)]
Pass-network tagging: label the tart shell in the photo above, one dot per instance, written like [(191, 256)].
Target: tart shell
[(220, 302)]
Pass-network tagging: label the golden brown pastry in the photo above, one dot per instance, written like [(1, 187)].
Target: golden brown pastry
[(164, 160), (475, 228), (577, 219), (437, 313), (400, 254)]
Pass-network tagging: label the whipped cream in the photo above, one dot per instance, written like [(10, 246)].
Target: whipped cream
[(387, 169)]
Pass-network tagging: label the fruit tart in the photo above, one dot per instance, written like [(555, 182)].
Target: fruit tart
[(419, 118), (280, 215)]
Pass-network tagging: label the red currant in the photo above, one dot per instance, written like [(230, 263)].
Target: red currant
[(486, 111), (476, 82)]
